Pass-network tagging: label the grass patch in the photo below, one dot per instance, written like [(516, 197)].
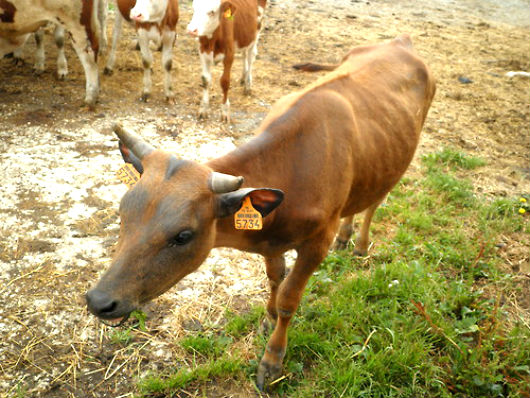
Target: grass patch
[(426, 315)]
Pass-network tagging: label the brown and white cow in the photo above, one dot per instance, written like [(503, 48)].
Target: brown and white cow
[(19, 18), (331, 150), (154, 20), (40, 55), (224, 26)]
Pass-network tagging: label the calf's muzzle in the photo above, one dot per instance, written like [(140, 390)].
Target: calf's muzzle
[(104, 306)]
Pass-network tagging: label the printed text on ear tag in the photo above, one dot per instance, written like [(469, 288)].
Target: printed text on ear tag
[(128, 174), (248, 217)]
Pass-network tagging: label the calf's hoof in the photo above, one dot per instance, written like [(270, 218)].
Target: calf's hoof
[(267, 374), (145, 97), (225, 118), (340, 244), (108, 71), (360, 252)]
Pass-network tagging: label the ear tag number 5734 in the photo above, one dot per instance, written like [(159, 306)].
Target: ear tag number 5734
[(248, 217), (128, 175)]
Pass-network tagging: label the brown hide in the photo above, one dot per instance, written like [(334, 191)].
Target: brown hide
[(336, 147)]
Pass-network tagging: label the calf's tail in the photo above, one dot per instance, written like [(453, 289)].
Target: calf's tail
[(310, 67)]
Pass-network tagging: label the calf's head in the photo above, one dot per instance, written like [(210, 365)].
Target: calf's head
[(148, 10), (207, 16), (168, 221)]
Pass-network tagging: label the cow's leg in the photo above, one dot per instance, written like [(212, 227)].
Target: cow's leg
[(62, 65), (168, 40), (87, 56), (147, 61), (40, 57), (289, 294), (361, 243), (102, 17), (251, 53), (116, 31), (225, 86), (206, 81), (345, 233), (275, 267)]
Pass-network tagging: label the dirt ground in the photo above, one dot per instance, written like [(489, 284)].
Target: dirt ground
[(59, 194)]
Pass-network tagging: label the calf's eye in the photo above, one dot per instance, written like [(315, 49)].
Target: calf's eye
[(181, 238)]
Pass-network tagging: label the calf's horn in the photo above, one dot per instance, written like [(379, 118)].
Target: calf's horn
[(137, 146), (223, 183)]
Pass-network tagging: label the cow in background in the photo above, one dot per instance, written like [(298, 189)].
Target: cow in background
[(81, 18), (40, 55), (154, 20), (329, 151), (224, 26)]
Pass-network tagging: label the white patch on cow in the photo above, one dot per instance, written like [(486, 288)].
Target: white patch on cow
[(149, 10), (225, 110), (219, 57), (205, 17)]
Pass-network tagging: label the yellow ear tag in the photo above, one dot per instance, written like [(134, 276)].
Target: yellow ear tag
[(128, 174), (228, 14), (248, 217)]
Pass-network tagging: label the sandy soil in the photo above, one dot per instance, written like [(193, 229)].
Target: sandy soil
[(59, 194)]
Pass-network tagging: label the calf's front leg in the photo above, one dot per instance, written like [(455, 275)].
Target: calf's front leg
[(206, 77), (168, 40), (225, 85), (275, 267), (288, 297), (147, 62)]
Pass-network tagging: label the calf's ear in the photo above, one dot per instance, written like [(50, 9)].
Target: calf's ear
[(228, 9), (129, 157), (263, 200)]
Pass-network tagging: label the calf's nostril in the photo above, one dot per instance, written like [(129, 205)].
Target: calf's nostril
[(100, 303), (109, 308)]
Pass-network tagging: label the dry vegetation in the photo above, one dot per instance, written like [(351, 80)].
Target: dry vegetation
[(59, 195)]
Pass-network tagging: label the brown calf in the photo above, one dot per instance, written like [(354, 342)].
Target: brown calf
[(224, 26), (334, 149), (154, 20)]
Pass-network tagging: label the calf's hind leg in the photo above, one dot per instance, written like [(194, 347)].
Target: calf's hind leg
[(345, 233), (362, 242)]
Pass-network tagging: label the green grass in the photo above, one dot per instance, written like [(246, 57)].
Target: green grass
[(425, 316)]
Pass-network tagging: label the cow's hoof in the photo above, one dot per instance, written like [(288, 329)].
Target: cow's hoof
[(267, 374), (61, 76), (247, 91), (145, 97), (38, 72), (340, 244), (203, 115), (360, 252), (170, 99), (108, 71)]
